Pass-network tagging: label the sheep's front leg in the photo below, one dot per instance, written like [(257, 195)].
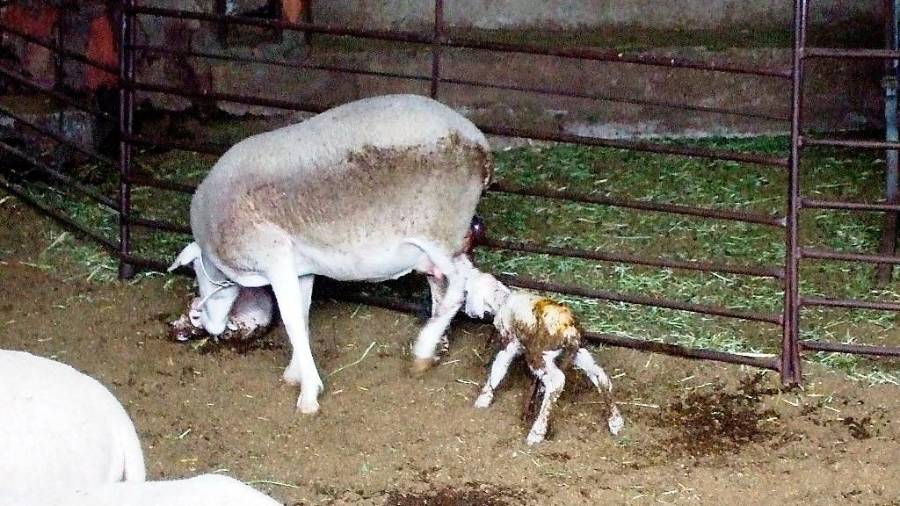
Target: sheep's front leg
[(498, 371), (293, 295), (585, 362), (430, 336), (554, 381), (437, 288)]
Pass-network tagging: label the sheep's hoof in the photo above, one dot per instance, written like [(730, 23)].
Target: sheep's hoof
[(534, 438), (291, 379), (483, 401), (307, 407), (420, 366)]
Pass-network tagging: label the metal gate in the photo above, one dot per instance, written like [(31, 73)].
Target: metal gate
[(788, 320)]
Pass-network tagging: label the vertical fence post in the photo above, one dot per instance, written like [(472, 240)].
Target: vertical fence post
[(437, 41), (126, 113), (59, 77), (790, 344), (889, 227)]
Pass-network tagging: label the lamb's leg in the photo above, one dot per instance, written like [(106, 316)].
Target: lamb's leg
[(437, 287), (293, 296), (498, 371), (430, 336), (585, 362), (554, 381)]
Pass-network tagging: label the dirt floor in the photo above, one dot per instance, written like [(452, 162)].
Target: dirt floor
[(696, 432)]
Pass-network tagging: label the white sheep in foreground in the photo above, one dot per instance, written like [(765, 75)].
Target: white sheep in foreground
[(546, 333), (60, 428), (367, 191), (203, 490)]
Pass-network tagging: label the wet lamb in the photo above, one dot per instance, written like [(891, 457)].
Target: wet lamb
[(546, 334), (61, 429), (370, 190)]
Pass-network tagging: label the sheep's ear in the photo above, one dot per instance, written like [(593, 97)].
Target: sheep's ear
[(187, 256)]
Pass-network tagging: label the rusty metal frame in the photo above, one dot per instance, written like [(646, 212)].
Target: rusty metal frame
[(788, 363)]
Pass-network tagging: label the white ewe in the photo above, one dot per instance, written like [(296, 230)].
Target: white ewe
[(546, 333), (61, 429), (367, 191)]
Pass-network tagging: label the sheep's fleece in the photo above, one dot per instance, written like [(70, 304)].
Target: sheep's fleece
[(60, 428), (203, 490)]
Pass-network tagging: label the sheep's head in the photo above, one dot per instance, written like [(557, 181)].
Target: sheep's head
[(217, 292), (485, 295)]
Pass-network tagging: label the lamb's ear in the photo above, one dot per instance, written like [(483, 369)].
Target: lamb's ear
[(187, 256)]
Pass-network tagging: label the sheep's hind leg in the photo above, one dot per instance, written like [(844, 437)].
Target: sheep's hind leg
[(293, 295), (586, 363), (498, 371), (430, 336), (554, 381)]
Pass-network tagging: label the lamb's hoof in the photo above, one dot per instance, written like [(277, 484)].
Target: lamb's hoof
[(483, 401), (615, 422), (420, 366), (534, 438)]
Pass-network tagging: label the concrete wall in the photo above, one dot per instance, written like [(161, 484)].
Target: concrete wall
[(566, 14)]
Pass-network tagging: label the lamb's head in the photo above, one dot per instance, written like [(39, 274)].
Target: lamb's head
[(217, 292), (485, 295)]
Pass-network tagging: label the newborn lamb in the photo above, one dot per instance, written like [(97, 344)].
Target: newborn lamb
[(545, 332)]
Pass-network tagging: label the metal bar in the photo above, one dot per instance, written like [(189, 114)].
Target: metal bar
[(510, 132), (57, 137), (126, 124), (848, 206), (850, 143), (614, 56), (392, 35), (225, 97), (19, 78), (849, 303), (209, 148), (791, 373), (460, 82), (159, 225), (64, 220), (758, 218), (437, 47), (139, 262), (681, 351), (765, 272), (835, 52), (161, 184), (594, 54), (642, 300), (856, 349), (59, 49), (823, 254), (59, 176), (650, 147), (610, 98), (277, 62)]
